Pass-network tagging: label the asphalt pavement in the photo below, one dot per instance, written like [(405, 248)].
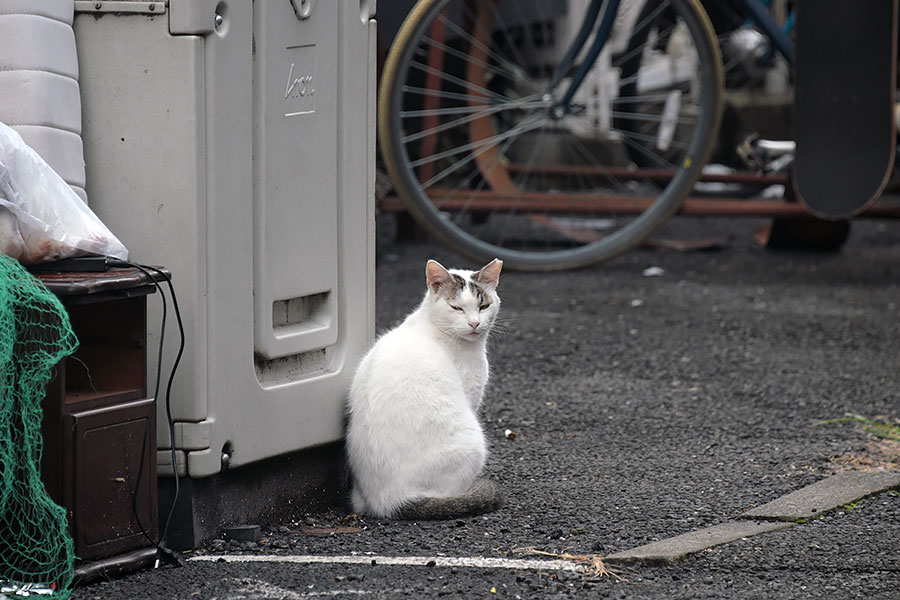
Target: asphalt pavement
[(626, 409)]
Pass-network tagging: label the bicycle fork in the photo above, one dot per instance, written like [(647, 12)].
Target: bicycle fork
[(604, 29)]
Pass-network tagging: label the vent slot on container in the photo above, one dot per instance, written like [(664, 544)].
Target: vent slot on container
[(301, 314)]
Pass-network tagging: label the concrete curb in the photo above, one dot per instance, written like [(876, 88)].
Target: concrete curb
[(813, 500), (670, 550), (824, 495)]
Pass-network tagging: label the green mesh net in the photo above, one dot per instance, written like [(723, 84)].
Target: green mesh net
[(36, 548)]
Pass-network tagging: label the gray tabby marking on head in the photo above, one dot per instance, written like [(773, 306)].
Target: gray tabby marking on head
[(449, 285), (479, 292)]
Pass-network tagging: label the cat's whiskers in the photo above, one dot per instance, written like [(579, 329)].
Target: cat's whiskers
[(500, 326), (508, 317)]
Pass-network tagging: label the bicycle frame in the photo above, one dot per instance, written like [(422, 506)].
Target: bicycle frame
[(779, 38), (756, 10), (610, 8)]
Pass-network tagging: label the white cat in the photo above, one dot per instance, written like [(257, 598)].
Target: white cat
[(414, 443)]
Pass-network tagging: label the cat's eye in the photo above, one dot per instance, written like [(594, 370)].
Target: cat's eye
[(483, 306), (460, 308)]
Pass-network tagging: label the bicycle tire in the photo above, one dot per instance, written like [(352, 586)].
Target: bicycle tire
[(574, 249)]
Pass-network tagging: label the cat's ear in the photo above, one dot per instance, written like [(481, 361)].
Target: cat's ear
[(437, 276), (489, 275)]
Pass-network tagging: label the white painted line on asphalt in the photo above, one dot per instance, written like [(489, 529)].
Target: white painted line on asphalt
[(414, 561)]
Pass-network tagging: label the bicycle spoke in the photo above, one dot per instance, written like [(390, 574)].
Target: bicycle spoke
[(502, 238), (524, 174), (482, 145), (463, 120), (638, 50), (646, 152), (483, 183), (640, 99), (458, 54), (511, 43), (546, 29), (502, 60), (489, 142), (461, 82), (589, 183), (650, 18), (438, 93), (474, 42), (478, 110), (634, 79), (586, 153), (686, 120), (647, 138)]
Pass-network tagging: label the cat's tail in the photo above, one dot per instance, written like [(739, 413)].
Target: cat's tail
[(483, 496)]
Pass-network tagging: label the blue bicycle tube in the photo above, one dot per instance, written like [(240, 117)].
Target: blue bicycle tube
[(779, 38), (610, 8), (590, 18)]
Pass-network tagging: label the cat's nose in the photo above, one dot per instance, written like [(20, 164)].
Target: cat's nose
[(474, 324)]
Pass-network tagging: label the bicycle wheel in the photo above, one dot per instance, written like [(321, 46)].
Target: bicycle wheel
[(488, 161)]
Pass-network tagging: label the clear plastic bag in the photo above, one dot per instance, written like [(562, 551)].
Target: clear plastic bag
[(41, 218)]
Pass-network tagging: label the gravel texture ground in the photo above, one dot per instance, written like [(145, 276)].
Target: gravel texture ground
[(642, 408)]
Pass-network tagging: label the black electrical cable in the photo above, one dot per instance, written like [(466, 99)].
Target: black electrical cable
[(140, 472), (168, 397), (162, 552)]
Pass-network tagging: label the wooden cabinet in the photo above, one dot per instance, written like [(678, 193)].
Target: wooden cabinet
[(99, 458)]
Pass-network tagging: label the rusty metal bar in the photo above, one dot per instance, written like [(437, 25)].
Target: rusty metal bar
[(660, 175), (546, 203), (432, 81)]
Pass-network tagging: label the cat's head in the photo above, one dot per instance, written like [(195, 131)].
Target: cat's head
[(463, 303)]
